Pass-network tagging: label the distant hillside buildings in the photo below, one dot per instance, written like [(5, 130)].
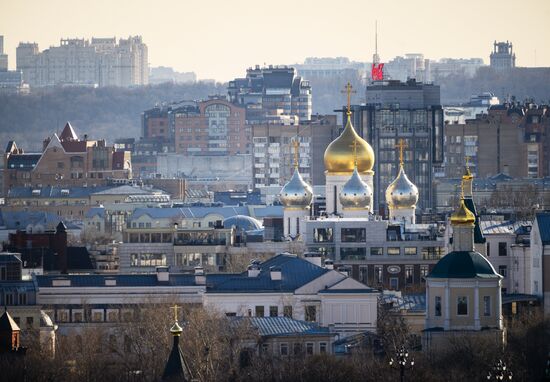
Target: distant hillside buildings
[(99, 62)]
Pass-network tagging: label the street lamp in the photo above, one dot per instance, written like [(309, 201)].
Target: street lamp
[(499, 372), (402, 361)]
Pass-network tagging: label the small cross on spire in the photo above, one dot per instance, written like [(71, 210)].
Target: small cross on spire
[(354, 146), (349, 90), (296, 146), (401, 146), (175, 307)]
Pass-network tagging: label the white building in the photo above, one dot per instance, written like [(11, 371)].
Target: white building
[(540, 251), (101, 62)]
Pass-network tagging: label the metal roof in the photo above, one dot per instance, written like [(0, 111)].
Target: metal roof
[(492, 227), (463, 265), (285, 326), (543, 221)]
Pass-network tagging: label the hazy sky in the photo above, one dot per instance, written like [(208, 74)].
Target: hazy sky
[(221, 38)]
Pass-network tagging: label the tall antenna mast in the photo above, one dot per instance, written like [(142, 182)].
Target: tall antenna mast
[(375, 57)]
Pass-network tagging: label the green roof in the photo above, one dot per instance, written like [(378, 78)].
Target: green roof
[(463, 265)]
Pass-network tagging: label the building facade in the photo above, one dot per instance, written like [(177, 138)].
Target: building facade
[(502, 56), (410, 111), (511, 139), (99, 62), (66, 161), (271, 93)]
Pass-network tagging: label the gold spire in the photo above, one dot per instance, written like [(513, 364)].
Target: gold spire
[(296, 146), (176, 329), (467, 173), (401, 146), (463, 216)]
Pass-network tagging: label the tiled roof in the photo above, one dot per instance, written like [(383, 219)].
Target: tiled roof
[(284, 326), (188, 212), (463, 265), (491, 227), (295, 271), (543, 221), (23, 162), (54, 192)]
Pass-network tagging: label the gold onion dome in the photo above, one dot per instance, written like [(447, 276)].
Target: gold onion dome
[(401, 193), (463, 216), (339, 157), (296, 193), (356, 194)]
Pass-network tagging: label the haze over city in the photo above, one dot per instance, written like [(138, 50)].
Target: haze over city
[(219, 39)]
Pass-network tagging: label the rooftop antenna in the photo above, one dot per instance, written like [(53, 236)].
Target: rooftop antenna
[(375, 57)]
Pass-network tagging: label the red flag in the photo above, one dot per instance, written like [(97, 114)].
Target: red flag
[(377, 73)]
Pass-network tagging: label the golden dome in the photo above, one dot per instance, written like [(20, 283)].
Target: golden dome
[(176, 329), (356, 194), (463, 216), (401, 193), (339, 156), (296, 193)]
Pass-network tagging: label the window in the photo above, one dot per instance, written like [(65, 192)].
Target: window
[(378, 273), (112, 315), (409, 274), (462, 306), (411, 251), (322, 235), (273, 311), (97, 315), (78, 316), (283, 349), (30, 321), (63, 315), (376, 251), (259, 311), (112, 343), (486, 305), (503, 270), (353, 235), (322, 347), (287, 311), (424, 269), (309, 348), (394, 283), (297, 348), (23, 298), (488, 249), (8, 299), (437, 306), (394, 251), (311, 313), (363, 273), (502, 250), (353, 253)]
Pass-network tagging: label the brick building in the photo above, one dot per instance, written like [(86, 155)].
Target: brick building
[(66, 160), (512, 139)]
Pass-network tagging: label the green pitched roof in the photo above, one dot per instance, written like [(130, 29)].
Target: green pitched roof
[(463, 265)]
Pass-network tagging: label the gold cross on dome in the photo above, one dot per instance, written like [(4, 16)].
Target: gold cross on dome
[(175, 307), (349, 90), (354, 146), (401, 146), (296, 146), (467, 157)]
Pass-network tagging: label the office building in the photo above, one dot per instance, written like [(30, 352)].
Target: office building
[(410, 111), (272, 93)]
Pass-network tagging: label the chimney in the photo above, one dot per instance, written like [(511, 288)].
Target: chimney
[(253, 270), (163, 274), (329, 264), (60, 247), (275, 273), (200, 277), (313, 258)]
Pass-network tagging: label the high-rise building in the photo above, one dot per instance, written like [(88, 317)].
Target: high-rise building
[(511, 138), (274, 154), (272, 94), (502, 56), (101, 62), (402, 110), (3, 57)]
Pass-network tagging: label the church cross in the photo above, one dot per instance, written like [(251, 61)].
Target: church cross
[(175, 307), (296, 146), (401, 146), (349, 90)]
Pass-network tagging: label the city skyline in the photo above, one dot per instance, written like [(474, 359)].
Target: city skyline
[(202, 44)]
